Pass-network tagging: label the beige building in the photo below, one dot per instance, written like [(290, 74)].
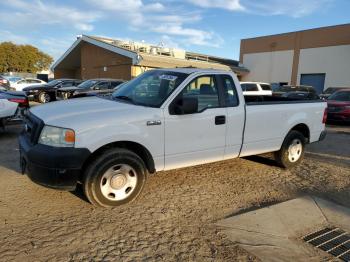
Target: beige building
[(319, 57), (96, 57)]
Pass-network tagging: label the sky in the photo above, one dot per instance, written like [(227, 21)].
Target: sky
[(204, 26)]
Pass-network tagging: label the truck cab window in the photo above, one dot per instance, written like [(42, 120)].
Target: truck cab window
[(231, 96), (204, 88)]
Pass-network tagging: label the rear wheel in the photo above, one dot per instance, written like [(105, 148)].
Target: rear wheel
[(292, 150), (44, 97), (114, 178)]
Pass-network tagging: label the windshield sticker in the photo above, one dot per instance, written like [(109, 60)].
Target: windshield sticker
[(168, 77)]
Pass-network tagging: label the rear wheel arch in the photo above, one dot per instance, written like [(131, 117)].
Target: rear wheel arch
[(135, 147), (303, 129)]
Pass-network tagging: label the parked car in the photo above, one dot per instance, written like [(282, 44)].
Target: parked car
[(4, 82), (47, 92), (161, 120), (339, 106), (19, 85), (256, 89), (301, 92), (90, 87), (329, 91), (13, 104), (13, 79)]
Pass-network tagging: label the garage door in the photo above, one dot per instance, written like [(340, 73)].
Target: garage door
[(315, 80)]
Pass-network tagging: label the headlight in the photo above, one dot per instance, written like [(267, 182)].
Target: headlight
[(57, 136)]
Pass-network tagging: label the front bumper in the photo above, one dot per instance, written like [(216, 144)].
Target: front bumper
[(53, 167)]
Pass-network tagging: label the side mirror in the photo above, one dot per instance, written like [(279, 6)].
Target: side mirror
[(184, 106), (96, 88)]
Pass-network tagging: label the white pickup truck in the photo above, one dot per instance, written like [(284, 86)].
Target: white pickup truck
[(163, 119)]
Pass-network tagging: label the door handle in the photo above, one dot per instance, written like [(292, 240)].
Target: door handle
[(220, 120)]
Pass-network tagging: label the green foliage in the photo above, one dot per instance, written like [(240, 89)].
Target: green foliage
[(22, 58)]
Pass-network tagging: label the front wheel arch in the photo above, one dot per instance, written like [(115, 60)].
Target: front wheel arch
[(135, 147)]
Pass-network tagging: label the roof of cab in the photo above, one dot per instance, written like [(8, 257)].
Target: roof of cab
[(191, 70)]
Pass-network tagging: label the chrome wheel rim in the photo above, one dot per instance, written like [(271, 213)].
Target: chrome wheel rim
[(294, 150), (45, 98), (118, 182)]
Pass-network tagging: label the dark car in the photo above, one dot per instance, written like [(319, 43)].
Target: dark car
[(4, 82), (47, 92), (90, 87), (339, 106), (296, 92), (329, 91), (16, 97)]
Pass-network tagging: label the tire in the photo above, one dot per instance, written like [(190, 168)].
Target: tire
[(44, 97), (114, 178), (292, 150)]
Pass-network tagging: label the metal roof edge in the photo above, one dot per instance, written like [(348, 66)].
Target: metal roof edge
[(70, 49), (99, 43)]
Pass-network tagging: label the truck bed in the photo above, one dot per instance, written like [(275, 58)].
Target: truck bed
[(269, 119), (265, 100)]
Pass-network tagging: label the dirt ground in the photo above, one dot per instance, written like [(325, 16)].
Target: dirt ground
[(173, 220)]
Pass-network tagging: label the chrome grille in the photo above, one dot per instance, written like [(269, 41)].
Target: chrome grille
[(32, 127)]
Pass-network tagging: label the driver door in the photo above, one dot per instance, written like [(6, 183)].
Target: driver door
[(198, 137)]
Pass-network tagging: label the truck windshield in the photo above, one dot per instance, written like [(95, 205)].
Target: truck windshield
[(151, 88)]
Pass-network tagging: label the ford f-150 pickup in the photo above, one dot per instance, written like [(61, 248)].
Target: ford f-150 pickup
[(163, 119)]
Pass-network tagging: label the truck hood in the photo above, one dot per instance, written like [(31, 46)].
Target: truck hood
[(85, 113)]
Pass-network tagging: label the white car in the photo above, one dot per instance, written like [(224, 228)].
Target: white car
[(8, 109), (256, 89), (164, 119), (22, 83)]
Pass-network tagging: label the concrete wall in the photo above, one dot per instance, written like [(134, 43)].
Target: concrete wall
[(334, 61), (318, 38), (97, 62), (269, 66)]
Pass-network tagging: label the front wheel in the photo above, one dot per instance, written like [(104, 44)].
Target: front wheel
[(114, 178), (44, 97), (292, 150)]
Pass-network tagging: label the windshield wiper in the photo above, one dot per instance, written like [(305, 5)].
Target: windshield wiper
[(126, 98)]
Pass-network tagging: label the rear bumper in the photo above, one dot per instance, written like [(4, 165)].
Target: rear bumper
[(52, 167), (322, 135)]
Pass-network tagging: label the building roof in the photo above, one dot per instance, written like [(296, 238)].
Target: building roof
[(139, 57), (331, 27)]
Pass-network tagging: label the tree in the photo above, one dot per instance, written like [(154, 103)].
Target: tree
[(22, 58)]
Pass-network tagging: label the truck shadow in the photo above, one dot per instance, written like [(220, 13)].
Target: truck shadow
[(79, 192), (262, 159), (8, 152)]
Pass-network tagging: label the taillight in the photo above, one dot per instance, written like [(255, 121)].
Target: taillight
[(20, 101), (324, 120)]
